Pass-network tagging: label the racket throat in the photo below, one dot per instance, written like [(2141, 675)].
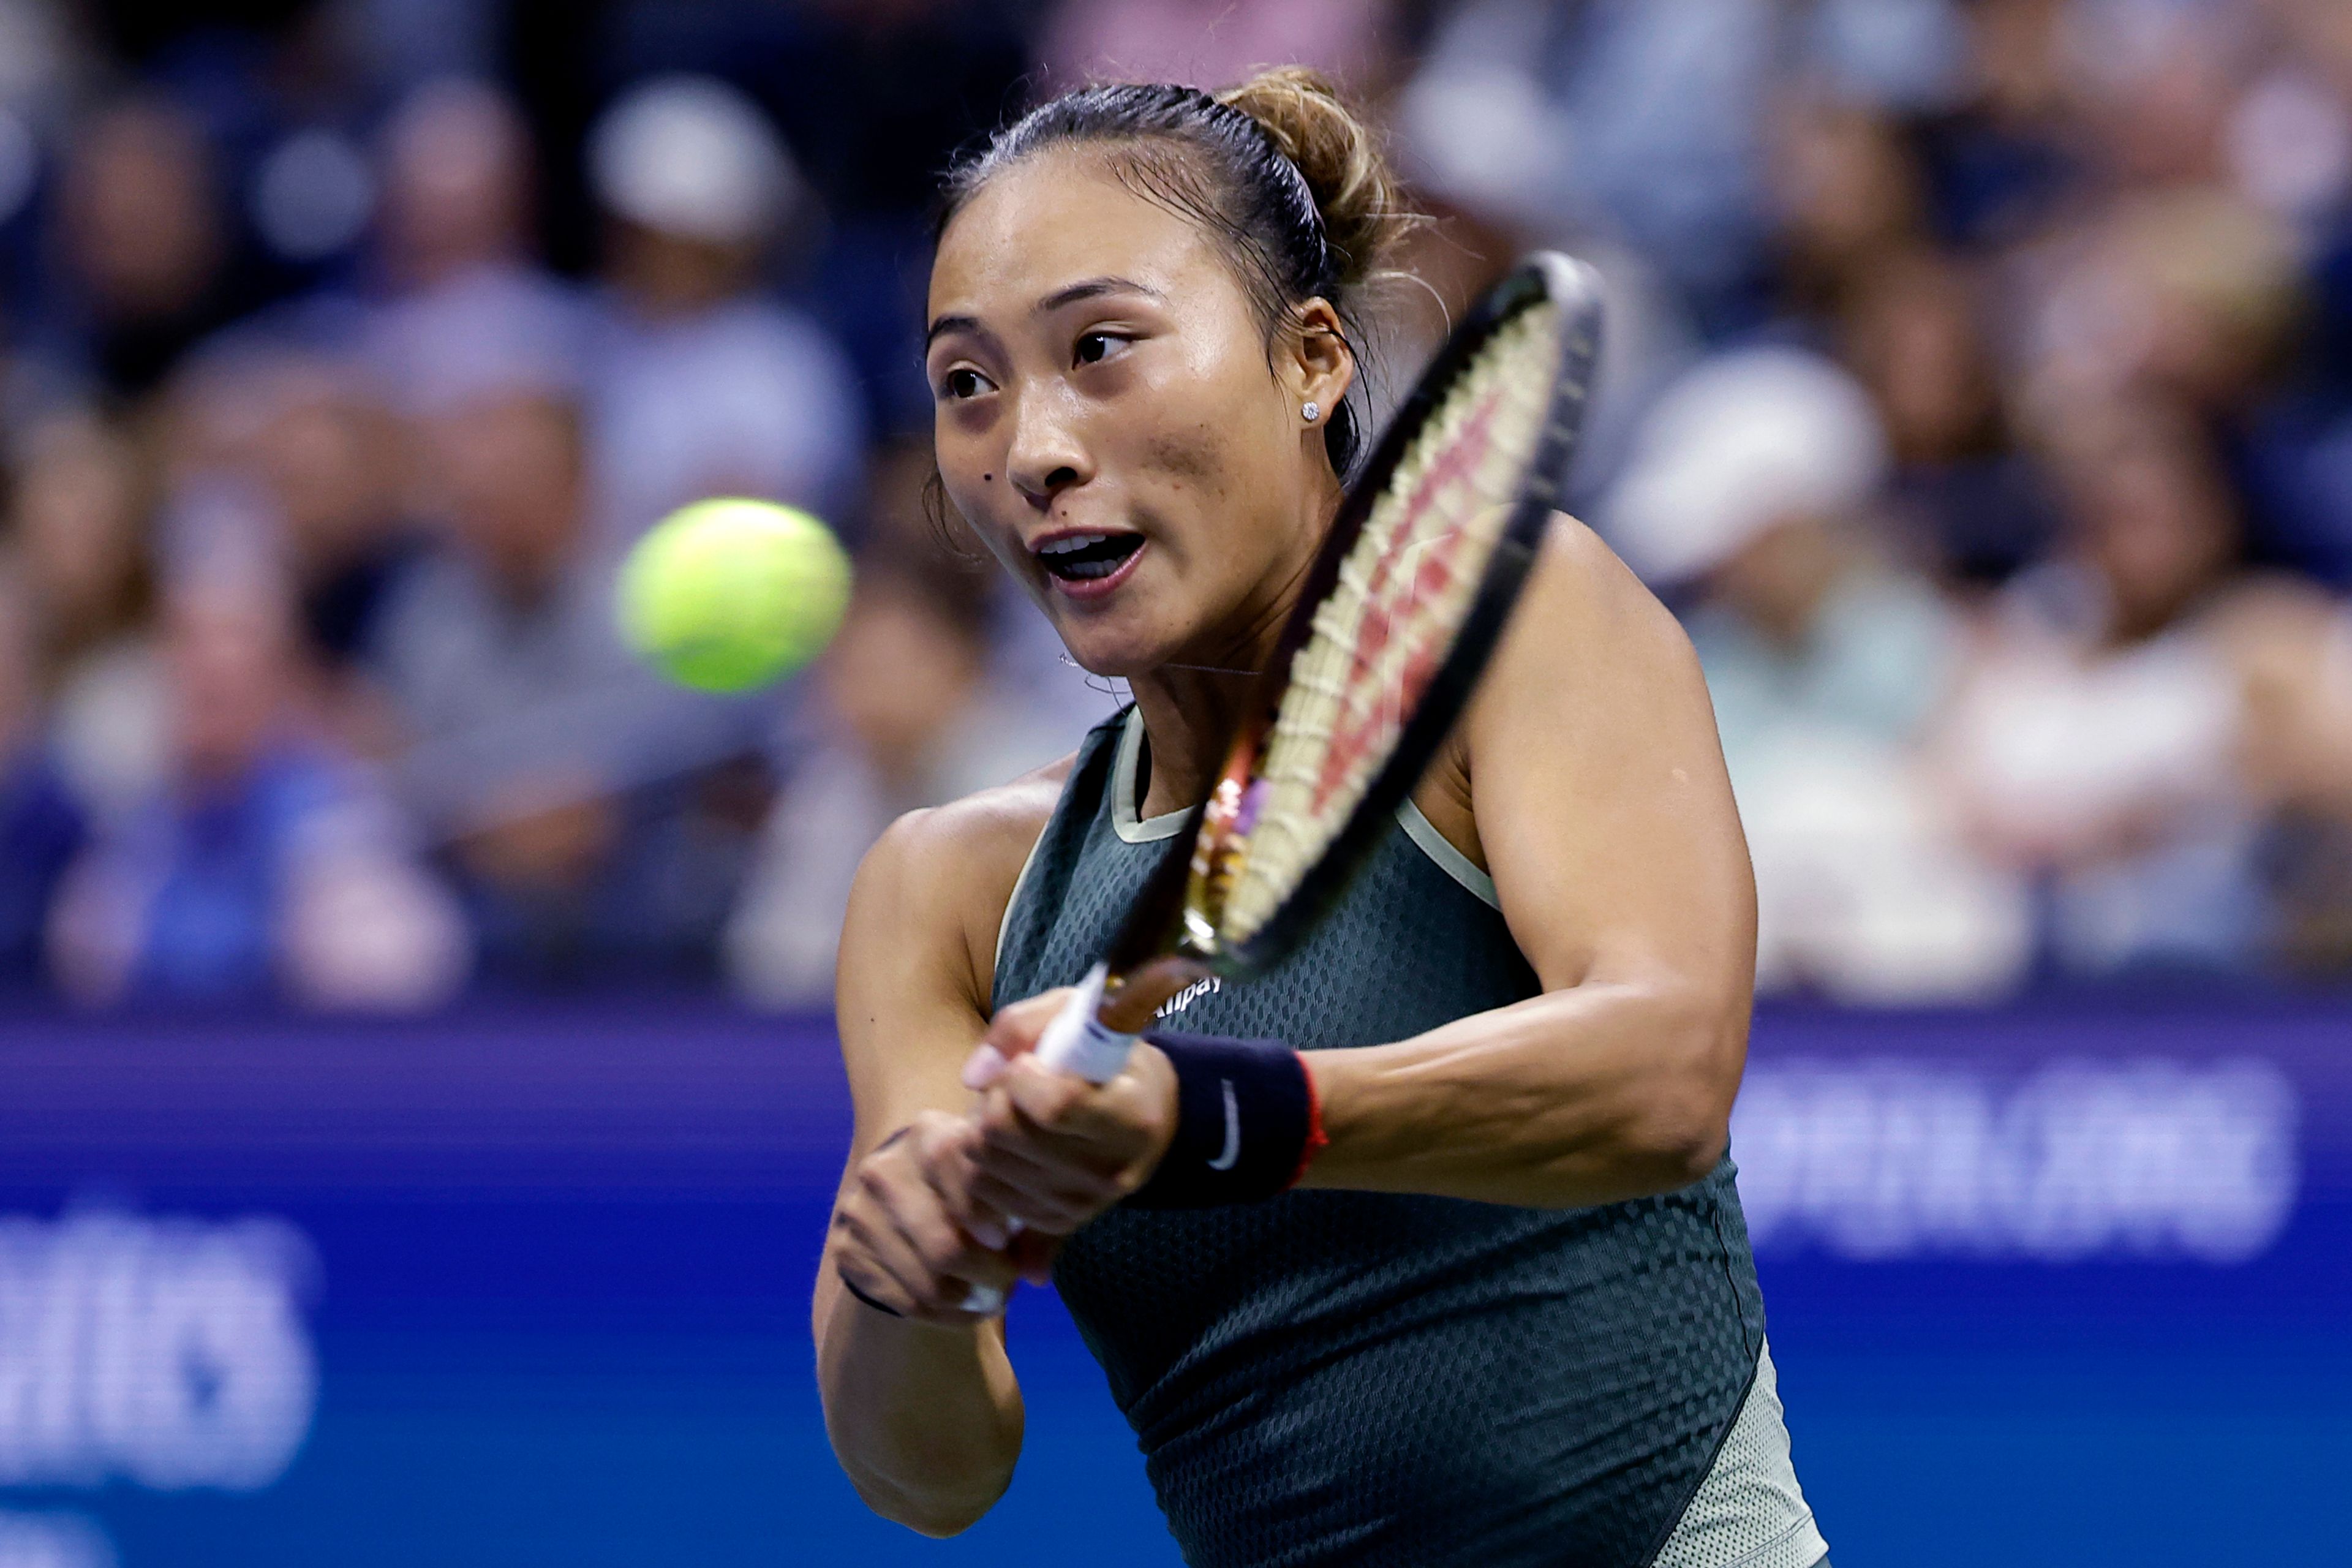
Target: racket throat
[(1133, 1001), (1096, 1028)]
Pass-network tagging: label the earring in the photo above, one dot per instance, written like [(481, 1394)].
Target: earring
[(1311, 413)]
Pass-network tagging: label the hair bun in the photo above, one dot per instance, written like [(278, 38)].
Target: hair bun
[(1362, 204)]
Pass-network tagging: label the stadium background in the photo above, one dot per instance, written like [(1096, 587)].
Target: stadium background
[(416, 1109)]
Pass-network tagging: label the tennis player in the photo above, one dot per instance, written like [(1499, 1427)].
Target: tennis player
[(1422, 1249)]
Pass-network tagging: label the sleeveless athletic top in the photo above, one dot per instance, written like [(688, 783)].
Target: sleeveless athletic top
[(1365, 1379)]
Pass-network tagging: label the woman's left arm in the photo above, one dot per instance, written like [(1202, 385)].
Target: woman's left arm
[(1603, 811)]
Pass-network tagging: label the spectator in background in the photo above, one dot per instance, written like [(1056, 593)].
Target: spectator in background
[(1752, 490), (143, 247), (531, 723), (269, 429), (457, 187), (2002, 158), (77, 518), (41, 825), (2290, 136), (265, 863), (2182, 277), (496, 652), (1638, 124), (910, 718), (701, 385), (76, 511), (2103, 731), (1849, 195), (2153, 87), (2192, 290), (1960, 491), (2298, 138), (463, 302), (331, 455), (2035, 231), (1754, 484)]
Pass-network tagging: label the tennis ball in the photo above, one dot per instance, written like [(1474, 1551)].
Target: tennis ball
[(726, 595)]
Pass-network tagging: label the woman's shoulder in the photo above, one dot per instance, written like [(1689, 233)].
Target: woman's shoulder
[(1575, 564), (988, 822), (947, 872), (1584, 616)]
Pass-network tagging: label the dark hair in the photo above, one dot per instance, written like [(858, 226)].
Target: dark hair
[(1280, 170)]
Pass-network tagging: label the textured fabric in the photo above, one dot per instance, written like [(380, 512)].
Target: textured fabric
[(1749, 1511), (1367, 1379)]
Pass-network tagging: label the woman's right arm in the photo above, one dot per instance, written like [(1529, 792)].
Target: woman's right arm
[(922, 1407)]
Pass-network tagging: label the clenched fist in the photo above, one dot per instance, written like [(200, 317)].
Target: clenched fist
[(907, 1237), (1052, 1152)]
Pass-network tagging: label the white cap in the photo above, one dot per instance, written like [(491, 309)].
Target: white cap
[(691, 156), (1744, 440)]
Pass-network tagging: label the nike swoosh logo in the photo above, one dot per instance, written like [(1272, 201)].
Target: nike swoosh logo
[(1233, 1151)]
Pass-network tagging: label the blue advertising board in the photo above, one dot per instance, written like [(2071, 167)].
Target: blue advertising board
[(527, 1284)]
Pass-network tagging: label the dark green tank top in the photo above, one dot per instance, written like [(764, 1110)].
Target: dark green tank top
[(1365, 1379)]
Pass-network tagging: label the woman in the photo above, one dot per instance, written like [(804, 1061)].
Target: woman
[(1509, 1316)]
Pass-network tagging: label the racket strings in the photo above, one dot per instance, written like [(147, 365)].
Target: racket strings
[(1405, 588)]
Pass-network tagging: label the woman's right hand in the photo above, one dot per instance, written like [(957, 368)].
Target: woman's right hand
[(903, 1232)]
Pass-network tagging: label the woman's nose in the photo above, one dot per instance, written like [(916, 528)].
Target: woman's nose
[(1046, 457)]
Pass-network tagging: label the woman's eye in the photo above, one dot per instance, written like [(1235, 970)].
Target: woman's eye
[(1093, 348), (961, 383)]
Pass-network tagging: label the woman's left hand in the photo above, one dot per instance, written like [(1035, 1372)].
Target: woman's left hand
[(1054, 1150)]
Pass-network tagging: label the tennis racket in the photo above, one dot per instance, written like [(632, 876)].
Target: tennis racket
[(1405, 604)]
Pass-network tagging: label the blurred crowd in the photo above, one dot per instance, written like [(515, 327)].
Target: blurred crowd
[(1979, 390)]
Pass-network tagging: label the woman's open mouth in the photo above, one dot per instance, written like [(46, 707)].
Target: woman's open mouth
[(1088, 564)]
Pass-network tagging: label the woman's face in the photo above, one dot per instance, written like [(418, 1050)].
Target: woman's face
[(1108, 422)]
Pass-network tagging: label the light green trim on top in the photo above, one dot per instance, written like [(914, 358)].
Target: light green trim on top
[(1449, 859), (1147, 830), (1123, 796)]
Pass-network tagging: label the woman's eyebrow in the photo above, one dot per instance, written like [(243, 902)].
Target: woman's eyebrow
[(944, 324), (1086, 288), (1094, 288)]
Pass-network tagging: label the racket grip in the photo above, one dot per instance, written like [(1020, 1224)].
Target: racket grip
[(1077, 1042)]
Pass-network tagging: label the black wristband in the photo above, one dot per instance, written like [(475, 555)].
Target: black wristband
[(1247, 1124)]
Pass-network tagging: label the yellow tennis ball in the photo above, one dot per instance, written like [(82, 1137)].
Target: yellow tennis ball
[(726, 595)]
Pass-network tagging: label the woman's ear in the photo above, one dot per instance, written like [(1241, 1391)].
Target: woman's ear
[(1322, 365)]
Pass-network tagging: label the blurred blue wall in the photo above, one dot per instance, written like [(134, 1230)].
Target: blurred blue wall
[(2060, 1285)]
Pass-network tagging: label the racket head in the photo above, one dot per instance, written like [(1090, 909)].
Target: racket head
[(1547, 296)]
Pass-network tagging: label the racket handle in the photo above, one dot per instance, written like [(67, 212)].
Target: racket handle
[(1077, 1042)]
